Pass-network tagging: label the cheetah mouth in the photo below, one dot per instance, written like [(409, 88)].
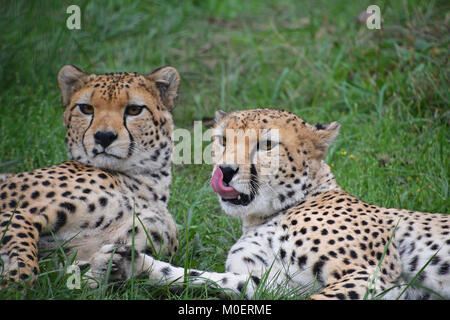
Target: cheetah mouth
[(105, 154), (241, 200), (227, 193)]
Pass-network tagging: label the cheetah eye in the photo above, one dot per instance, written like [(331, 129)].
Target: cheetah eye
[(266, 145), (86, 108), (133, 110)]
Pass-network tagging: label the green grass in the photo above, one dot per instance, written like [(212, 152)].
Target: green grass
[(387, 88)]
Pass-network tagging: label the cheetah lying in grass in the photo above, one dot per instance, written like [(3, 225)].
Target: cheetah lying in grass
[(119, 129), (300, 227)]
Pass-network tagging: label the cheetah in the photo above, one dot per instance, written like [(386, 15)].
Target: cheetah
[(115, 188), (300, 229)]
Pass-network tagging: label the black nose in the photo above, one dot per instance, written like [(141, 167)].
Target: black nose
[(228, 173), (105, 138)]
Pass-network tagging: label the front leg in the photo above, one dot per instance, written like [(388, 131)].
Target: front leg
[(114, 263), (19, 235), (118, 260)]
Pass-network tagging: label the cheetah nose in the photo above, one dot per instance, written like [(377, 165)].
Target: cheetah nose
[(228, 173), (105, 138)]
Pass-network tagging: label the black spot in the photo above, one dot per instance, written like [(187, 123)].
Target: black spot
[(240, 286), (302, 260), (68, 206), (248, 260), (61, 220), (6, 239), (119, 215), (444, 268), (317, 267), (51, 194), (13, 204), (333, 254), (66, 194), (23, 276), (340, 296), (35, 195), (413, 263), (155, 236), (136, 230), (102, 176), (99, 221), (38, 226), (282, 254), (256, 280), (24, 205), (103, 201), (166, 271)]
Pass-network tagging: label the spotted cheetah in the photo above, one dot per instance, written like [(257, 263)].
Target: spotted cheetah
[(119, 137), (300, 228)]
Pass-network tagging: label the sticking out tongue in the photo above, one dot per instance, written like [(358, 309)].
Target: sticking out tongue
[(217, 185)]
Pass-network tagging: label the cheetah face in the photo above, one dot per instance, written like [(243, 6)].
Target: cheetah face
[(266, 160), (119, 121)]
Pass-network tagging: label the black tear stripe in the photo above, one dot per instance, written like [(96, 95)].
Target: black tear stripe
[(131, 146), (84, 133)]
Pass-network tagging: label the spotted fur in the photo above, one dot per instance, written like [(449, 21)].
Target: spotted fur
[(300, 228), (119, 128)]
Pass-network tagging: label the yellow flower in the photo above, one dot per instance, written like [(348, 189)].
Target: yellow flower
[(344, 153), (352, 156)]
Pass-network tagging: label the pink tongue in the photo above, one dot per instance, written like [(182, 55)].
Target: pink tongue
[(217, 185)]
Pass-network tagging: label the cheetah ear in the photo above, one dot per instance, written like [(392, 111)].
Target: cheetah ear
[(325, 134), (219, 115), (167, 81), (70, 79)]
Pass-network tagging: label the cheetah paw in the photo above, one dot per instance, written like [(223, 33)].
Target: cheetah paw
[(111, 262)]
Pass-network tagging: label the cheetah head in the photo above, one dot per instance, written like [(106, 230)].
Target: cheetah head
[(267, 160), (119, 121)]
